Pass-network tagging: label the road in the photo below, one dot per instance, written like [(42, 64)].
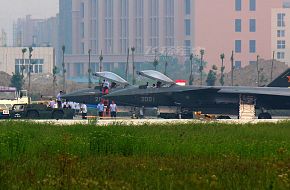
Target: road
[(128, 121)]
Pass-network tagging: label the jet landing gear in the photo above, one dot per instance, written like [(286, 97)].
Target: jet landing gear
[(264, 115)]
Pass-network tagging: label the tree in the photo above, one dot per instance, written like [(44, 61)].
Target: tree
[(211, 77), (222, 79), (16, 81), (201, 65), (155, 62), (54, 72)]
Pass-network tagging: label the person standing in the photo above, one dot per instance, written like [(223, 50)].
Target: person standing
[(84, 110), (58, 99), (100, 108), (113, 109)]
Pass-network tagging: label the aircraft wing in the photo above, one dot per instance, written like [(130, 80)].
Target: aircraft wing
[(273, 91)]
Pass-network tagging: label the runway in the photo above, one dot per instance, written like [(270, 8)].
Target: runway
[(104, 122)]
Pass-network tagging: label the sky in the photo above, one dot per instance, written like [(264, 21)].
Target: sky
[(10, 10)]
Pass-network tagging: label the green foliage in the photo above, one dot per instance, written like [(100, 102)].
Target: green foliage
[(185, 156), (212, 76), (17, 81)]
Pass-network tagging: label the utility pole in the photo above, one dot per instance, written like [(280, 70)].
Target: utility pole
[(127, 64), (201, 65), (63, 69), (29, 70), (232, 69), (133, 80), (272, 65), (89, 69), (258, 71), (191, 74)]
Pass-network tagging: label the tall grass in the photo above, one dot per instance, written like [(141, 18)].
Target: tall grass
[(185, 156)]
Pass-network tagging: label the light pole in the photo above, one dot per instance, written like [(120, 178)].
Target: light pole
[(272, 65), (63, 69), (100, 66), (258, 71), (29, 69), (232, 69), (90, 70), (191, 75), (127, 64), (133, 63), (23, 66), (201, 65)]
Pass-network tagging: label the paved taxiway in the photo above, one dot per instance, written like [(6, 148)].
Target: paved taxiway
[(152, 121)]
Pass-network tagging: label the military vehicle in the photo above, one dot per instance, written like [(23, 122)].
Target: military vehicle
[(10, 96), (230, 100), (39, 111)]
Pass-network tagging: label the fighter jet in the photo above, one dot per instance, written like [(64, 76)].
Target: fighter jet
[(92, 96), (229, 100)]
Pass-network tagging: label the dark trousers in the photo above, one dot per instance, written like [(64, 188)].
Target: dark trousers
[(84, 115), (58, 104), (113, 114)]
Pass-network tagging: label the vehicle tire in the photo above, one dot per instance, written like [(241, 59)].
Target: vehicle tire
[(32, 114), (265, 115), (223, 117), (58, 115)]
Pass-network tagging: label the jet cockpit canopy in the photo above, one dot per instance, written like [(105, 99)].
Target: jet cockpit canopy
[(111, 77), (157, 76)]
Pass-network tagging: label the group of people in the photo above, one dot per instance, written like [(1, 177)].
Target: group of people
[(104, 108)]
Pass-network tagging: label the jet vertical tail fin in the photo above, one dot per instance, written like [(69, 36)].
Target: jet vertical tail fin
[(283, 80)]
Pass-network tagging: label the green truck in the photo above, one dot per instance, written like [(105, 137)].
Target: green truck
[(39, 111)]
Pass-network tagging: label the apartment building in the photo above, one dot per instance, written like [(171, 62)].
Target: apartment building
[(242, 26), (111, 27)]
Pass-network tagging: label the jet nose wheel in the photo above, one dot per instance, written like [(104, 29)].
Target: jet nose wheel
[(264, 116)]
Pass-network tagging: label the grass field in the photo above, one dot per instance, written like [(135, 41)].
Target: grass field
[(189, 156)]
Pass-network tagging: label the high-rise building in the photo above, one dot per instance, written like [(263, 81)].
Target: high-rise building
[(111, 27), (35, 32), (242, 26), (281, 34)]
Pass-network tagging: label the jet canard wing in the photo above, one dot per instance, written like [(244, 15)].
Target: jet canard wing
[(155, 75), (112, 77)]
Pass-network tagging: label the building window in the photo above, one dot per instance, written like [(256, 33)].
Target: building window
[(252, 5), (238, 5), (238, 46), (238, 25), (187, 7), (281, 19), (82, 30), (281, 44), (187, 44), (82, 10), (238, 64), (252, 25), (252, 62), (82, 48), (280, 33), (280, 55), (252, 44), (187, 27)]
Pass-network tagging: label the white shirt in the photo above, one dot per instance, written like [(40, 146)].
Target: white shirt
[(58, 97), (84, 108), (106, 84), (113, 107)]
